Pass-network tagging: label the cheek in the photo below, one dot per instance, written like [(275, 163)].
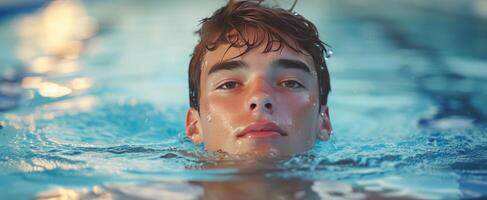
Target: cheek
[(222, 112), (298, 110), (224, 106)]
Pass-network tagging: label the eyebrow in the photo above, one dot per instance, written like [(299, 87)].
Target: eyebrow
[(292, 64), (282, 63), (230, 65)]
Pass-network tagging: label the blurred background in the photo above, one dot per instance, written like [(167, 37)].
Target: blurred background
[(97, 90)]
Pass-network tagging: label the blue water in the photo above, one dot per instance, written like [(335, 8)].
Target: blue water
[(101, 114)]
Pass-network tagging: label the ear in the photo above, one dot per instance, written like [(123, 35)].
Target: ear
[(193, 126), (325, 128)]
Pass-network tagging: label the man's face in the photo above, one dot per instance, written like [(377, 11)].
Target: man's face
[(262, 104)]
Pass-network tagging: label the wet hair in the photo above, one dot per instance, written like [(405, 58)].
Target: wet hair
[(275, 27)]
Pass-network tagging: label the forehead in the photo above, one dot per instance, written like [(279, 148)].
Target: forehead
[(254, 57)]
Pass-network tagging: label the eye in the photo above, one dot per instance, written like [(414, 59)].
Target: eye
[(291, 84), (228, 85)]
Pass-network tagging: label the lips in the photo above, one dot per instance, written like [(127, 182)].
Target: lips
[(262, 130)]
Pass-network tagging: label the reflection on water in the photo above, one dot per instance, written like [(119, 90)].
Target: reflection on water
[(57, 30), (81, 83), (50, 44), (254, 188), (40, 165), (248, 188), (53, 90)]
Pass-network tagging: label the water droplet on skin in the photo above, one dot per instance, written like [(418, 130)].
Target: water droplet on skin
[(208, 117), (288, 122), (237, 130), (274, 153), (328, 54)]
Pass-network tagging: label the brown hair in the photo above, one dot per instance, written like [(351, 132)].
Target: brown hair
[(275, 25)]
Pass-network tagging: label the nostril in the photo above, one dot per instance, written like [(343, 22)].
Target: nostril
[(268, 106), (252, 106)]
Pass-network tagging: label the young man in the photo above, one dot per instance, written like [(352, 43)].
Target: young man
[(258, 82)]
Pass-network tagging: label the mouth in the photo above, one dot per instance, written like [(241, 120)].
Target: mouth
[(262, 130)]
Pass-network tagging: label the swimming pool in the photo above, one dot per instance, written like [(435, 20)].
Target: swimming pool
[(93, 99)]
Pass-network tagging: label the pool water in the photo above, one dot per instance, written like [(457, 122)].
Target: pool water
[(93, 97)]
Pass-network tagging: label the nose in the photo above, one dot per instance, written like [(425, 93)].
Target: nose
[(264, 104), (261, 99)]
